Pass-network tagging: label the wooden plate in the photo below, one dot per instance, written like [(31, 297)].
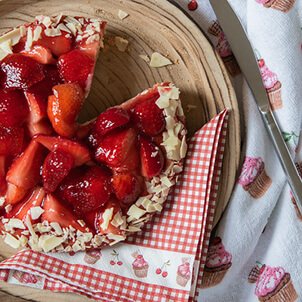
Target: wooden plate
[(151, 26)]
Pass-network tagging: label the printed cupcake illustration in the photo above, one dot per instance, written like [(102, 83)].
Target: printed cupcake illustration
[(224, 49), (272, 85), (217, 264), (274, 284), (183, 273), (26, 278), (281, 5), (92, 256), (140, 265), (253, 177)]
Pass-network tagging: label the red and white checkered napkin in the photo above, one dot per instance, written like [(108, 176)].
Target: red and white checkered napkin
[(170, 250)]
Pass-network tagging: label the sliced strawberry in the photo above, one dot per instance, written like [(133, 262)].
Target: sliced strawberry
[(90, 190), (110, 119), (64, 107), (83, 130), (95, 218), (58, 45), (11, 140), (152, 158), (3, 184), (37, 95), (76, 67), (148, 117), (34, 198), (75, 148), (119, 149), (56, 167), (56, 211), (41, 54), (25, 170), (41, 127), (13, 108), (14, 194), (127, 187), (20, 71)]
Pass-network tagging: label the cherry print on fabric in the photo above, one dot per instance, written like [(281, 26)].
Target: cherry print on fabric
[(217, 265), (224, 49), (115, 259), (271, 84), (288, 136), (163, 270), (272, 283), (254, 178), (280, 5)]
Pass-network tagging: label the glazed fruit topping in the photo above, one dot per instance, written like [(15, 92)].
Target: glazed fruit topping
[(56, 167), (64, 107), (76, 67), (20, 72), (110, 119), (152, 158), (9, 101), (11, 140), (148, 117)]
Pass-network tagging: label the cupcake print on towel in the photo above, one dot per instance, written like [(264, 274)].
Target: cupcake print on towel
[(217, 264), (281, 5), (92, 256), (140, 265), (224, 49), (253, 177), (183, 273), (299, 168), (272, 85), (273, 284)]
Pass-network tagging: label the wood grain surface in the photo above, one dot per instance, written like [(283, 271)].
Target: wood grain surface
[(152, 25)]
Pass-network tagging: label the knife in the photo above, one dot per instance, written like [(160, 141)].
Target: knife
[(247, 61)]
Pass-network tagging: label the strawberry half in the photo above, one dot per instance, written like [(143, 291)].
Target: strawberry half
[(126, 186), (110, 119), (3, 184), (152, 158), (14, 194), (148, 117), (20, 72), (76, 67), (75, 148), (9, 101), (24, 172), (95, 218), (22, 209), (41, 54), (56, 211), (118, 148), (11, 140), (88, 191), (64, 107), (56, 167)]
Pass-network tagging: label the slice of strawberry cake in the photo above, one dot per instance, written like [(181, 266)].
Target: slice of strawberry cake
[(66, 186)]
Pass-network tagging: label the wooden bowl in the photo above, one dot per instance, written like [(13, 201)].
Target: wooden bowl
[(150, 26)]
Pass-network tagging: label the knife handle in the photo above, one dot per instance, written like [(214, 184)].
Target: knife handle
[(285, 158)]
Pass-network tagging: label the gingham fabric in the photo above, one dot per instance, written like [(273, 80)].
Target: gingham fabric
[(179, 234)]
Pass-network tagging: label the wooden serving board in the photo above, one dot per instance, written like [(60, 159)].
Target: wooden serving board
[(152, 25)]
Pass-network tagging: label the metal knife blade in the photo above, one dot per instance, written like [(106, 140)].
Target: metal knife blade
[(247, 61)]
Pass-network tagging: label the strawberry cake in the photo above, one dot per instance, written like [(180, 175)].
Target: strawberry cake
[(66, 186)]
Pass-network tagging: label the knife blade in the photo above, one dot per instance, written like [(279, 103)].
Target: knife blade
[(245, 56)]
